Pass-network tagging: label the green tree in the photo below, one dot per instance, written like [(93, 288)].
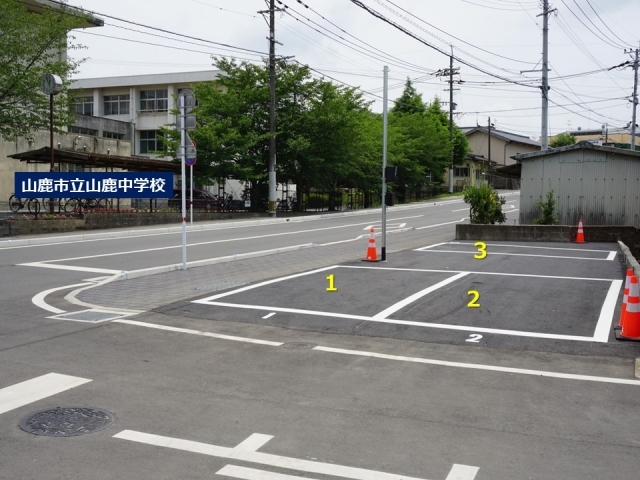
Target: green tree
[(562, 140), (486, 205), (31, 45), (410, 101), (548, 208)]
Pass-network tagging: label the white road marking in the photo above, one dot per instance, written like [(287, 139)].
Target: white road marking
[(280, 461), (36, 389), (67, 267), (245, 473), (426, 361), (430, 246), (269, 315), (532, 247), (416, 296), (198, 332), (441, 224), (38, 300), (612, 256), (389, 225), (606, 313), (460, 210), (254, 442), (520, 255), (462, 472)]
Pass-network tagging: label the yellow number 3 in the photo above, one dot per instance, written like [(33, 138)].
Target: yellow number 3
[(482, 250)]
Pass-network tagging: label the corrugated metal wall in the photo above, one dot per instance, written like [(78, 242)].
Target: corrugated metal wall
[(601, 187)]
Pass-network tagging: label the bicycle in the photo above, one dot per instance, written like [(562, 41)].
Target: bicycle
[(16, 204), (81, 204)]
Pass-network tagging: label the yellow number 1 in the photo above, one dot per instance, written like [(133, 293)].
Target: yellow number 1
[(482, 250), (331, 287)]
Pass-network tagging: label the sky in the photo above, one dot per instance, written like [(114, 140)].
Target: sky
[(493, 42)]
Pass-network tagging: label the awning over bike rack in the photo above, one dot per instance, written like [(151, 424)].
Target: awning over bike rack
[(100, 160)]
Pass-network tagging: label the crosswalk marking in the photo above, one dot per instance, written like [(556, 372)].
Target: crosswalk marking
[(36, 389)]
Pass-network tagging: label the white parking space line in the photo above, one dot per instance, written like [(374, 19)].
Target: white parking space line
[(254, 442), (517, 255), (441, 224), (234, 471), (290, 463), (426, 361), (416, 296), (531, 247), (612, 255), (430, 246), (462, 472), (606, 313), (36, 389)]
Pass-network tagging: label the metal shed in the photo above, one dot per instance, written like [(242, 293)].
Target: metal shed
[(601, 185)]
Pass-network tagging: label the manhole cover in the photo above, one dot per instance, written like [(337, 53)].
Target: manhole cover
[(297, 346), (66, 421)]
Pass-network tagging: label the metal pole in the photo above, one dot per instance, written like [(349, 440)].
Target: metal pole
[(635, 102), (183, 153), (191, 197), (272, 109), (52, 167), (385, 96), (451, 119), (545, 76), (489, 154)]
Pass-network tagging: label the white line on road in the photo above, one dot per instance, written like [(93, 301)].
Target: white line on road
[(519, 255), (426, 361), (38, 300), (460, 210), (606, 313), (612, 256), (254, 442), (280, 461), (245, 473), (441, 224), (68, 267), (269, 315), (36, 389), (531, 247), (416, 296), (462, 472), (430, 246)]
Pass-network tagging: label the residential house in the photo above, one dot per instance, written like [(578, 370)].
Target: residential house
[(612, 137)]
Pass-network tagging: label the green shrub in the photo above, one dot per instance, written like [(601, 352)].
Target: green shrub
[(548, 210), (486, 205)]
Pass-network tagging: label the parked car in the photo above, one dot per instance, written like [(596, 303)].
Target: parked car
[(202, 200)]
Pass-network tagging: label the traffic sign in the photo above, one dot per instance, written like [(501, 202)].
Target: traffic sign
[(190, 161)]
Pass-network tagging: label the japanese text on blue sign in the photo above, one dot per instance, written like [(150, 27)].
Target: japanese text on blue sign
[(93, 184)]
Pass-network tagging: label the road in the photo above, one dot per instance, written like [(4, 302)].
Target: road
[(200, 390)]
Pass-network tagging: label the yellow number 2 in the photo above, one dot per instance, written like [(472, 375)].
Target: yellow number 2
[(331, 287), (476, 296), (482, 250)]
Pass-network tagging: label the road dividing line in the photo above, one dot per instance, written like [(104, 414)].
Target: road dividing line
[(69, 267), (36, 389), (462, 472), (603, 328), (245, 473), (416, 296), (307, 466)]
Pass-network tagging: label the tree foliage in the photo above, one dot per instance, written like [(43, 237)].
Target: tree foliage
[(31, 45), (548, 208), (486, 205), (563, 140)]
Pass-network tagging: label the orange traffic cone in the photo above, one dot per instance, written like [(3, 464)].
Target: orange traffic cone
[(580, 235), (627, 284), (372, 252), (631, 325)]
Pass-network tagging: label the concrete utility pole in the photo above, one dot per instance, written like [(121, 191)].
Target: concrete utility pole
[(545, 74), (385, 116), (489, 154), (451, 106), (634, 100)]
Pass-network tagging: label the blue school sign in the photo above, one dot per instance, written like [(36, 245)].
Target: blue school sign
[(93, 185)]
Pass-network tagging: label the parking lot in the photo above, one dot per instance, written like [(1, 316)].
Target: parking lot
[(547, 297)]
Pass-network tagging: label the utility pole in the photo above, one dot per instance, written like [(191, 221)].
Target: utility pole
[(272, 106), (489, 154), (385, 97), (452, 106), (634, 100), (545, 74)]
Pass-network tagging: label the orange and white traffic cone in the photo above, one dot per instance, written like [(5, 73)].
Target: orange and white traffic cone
[(372, 252), (580, 235), (627, 284), (631, 325)]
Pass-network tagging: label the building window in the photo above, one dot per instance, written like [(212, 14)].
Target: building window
[(154, 101), (84, 105), (83, 131), (116, 105), (114, 135), (461, 172), (150, 141)]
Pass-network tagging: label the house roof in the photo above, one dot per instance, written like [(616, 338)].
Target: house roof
[(501, 134), (584, 145), (99, 160), (148, 79)]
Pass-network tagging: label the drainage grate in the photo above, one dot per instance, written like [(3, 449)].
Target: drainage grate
[(91, 316), (214, 287), (66, 421), (297, 346)]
